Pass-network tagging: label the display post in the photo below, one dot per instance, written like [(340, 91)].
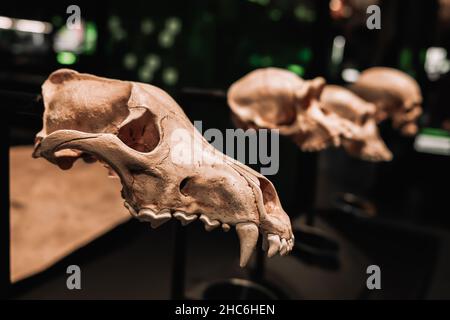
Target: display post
[(179, 263)]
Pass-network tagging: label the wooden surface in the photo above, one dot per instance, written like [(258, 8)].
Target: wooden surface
[(54, 212)]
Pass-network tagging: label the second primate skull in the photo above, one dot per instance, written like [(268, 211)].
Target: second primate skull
[(141, 134), (366, 142), (396, 94), (274, 98)]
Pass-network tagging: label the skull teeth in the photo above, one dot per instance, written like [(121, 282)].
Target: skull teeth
[(130, 209), (283, 247), (184, 218), (155, 219), (248, 237), (247, 231), (209, 224), (276, 244)]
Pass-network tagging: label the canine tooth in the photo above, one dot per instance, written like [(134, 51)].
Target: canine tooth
[(283, 247), (209, 224), (130, 208), (184, 218), (248, 237), (155, 219), (226, 227), (274, 244)]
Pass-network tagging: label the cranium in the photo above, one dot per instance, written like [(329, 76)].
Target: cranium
[(366, 143), (396, 95), (130, 127), (279, 99)]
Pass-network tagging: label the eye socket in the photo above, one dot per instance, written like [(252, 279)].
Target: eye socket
[(141, 134)]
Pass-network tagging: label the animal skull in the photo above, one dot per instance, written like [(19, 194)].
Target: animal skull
[(396, 95), (366, 143), (142, 134), (279, 99)]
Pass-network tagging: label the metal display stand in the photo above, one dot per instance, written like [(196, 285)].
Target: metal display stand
[(179, 262)]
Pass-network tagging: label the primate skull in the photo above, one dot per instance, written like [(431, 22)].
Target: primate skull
[(366, 143), (166, 167), (395, 94), (274, 98)]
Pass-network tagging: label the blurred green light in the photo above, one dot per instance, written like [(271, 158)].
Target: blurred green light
[(406, 58), (165, 39), (305, 13), (170, 76), (297, 69), (145, 74), (266, 61), (305, 55), (435, 132), (147, 26), (275, 14), (130, 61), (65, 57), (119, 34), (173, 25), (153, 61), (260, 2), (90, 41), (254, 60), (114, 23)]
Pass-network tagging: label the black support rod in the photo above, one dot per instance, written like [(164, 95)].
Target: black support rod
[(179, 263)]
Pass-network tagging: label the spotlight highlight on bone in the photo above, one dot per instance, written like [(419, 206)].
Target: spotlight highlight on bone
[(48, 221)]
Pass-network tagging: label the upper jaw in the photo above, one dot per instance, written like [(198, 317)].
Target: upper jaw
[(274, 239)]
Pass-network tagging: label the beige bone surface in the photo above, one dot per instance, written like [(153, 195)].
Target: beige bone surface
[(167, 169), (396, 95), (48, 219), (275, 98), (366, 142)]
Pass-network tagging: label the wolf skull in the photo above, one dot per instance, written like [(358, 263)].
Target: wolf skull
[(396, 95), (141, 134), (279, 99), (366, 143)]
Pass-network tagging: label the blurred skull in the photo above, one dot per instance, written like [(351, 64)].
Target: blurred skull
[(274, 98), (396, 95), (366, 143)]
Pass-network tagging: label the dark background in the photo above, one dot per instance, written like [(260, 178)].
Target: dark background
[(218, 42)]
